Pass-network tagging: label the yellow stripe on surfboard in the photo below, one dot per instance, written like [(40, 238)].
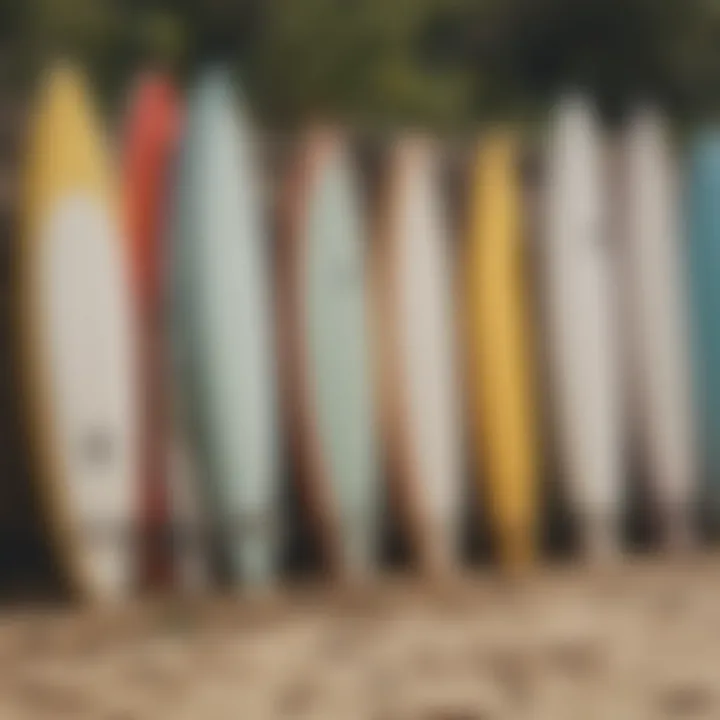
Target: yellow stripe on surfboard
[(65, 153), (499, 363)]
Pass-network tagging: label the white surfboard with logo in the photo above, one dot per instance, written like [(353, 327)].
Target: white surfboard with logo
[(78, 343)]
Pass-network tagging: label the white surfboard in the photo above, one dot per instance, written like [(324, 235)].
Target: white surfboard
[(79, 343), (657, 320), (580, 289), (418, 321)]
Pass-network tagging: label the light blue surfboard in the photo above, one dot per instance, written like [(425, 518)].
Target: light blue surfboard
[(323, 299), (338, 359), (703, 221), (222, 327)]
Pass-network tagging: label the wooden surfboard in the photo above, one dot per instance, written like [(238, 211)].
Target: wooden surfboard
[(499, 364), (416, 322), (580, 290), (322, 298), (660, 381), (703, 225), (222, 329), (78, 341)]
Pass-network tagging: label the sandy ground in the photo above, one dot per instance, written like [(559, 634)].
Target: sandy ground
[(641, 641)]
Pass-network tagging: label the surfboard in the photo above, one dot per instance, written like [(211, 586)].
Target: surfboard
[(222, 329), (703, 226), (582, 333), (416, 323), (657, 318), (499, 363), (78, 342), (323, 299), (150, 137), (170, 513)]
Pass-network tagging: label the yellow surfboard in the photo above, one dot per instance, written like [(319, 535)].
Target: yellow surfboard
[(499, 360), (77, 340)]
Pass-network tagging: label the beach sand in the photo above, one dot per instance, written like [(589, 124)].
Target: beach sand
[(638, 641)]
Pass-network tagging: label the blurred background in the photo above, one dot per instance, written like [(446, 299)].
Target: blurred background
[(441, 63), (444, 65)]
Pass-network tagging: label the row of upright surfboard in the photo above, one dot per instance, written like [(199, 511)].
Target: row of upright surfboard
[(176, 360)]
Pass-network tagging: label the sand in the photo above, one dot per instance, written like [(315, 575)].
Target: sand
[(640, 641)]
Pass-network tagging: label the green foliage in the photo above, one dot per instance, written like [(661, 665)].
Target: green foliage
[(354, 59), (87, 29), (437, 62), (666, 51), (160, 38)]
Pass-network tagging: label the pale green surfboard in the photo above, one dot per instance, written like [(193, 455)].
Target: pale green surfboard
[(325, 298), (222, 328)]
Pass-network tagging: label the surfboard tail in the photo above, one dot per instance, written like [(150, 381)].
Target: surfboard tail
[(517, 547), (257, 562), (253, 541), (360, 547), (680, 534), (600, 538)]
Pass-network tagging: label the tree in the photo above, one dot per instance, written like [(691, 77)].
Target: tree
[(619, 50), (359, 60), (437, 62)]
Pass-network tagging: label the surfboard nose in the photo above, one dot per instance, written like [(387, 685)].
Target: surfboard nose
[(214, 86), (64, 87)]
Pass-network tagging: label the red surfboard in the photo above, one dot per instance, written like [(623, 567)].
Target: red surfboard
[(150, 140)]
